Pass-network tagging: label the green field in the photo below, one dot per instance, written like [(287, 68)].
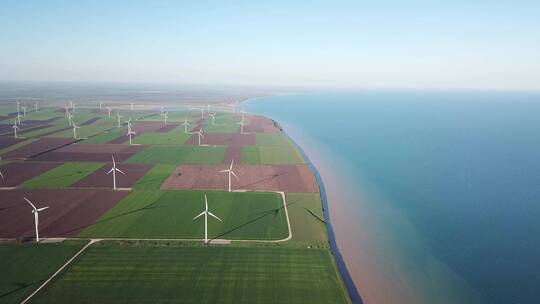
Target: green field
[(106, 137), (155, 177), (271, 155), (169, 214), (307, 219), (174, 137), (112, 273), (179, 154), (26, 266), (62, 176)]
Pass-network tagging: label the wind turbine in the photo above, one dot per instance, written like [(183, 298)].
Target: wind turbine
[(230, 172), (242, 112), (109, 110), (24, 111), (186, 124), (118, 116), (100, 105), (206, 213), (242, 124), (75, 127), (161, 111), (18, 107), (19, 118), (213, 116), (36, 212), (72, 106), (67, 111), (113, 171), (70, 118), (199, 134), (36, 105), (1, 175), (15, 129), (131, 103), (208, 108), (130, 132), (165, 117), (200, 109)]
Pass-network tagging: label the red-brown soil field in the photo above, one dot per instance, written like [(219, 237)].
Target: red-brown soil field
[(19, 172), (92, 153), (37, 147), (287, 178)]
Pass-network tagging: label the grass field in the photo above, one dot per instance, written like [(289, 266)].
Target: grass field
[(307, 219), (62, 176), (271, 155), (113, 273), (169, 214), (106, 136), (155, 177), (224, 123), (26, 266), (179, 154), (272, 140), (174, 137)]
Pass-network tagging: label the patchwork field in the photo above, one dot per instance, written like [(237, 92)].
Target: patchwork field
[(287, 178), (112, 273), (169, 214), (26, 266), (62, 176), (71, 210), (179, 154), (263, 252)]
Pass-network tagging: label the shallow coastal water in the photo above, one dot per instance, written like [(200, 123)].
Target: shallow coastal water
[(434, 197)]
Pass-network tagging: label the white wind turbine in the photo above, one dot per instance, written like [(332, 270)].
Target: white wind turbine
[(75, 127), (242, 124), (36, 212), (36, 106), (109, 110), (200, 109), (67, 111), (130, 132), (113, 171), (213, 116), (118, 116), (72, 106), (208, 108), (206, 213), (24, 111), (70, 118), (100, 105), (161, 111), (165, 117), (18, 107), (131, 103), (186, 124), (230, 172), (15, 129), (19, 118), (1, 175), (199, 135)]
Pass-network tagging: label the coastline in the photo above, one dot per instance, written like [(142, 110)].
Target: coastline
[(340, 263)]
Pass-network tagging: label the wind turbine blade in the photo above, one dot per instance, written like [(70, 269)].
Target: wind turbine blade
[(202, 213), (1, 175), (210, 213), (114, 164), (41, 209), (30, 203), (223, 171), (110, 171), (234, 174), (119, 170)]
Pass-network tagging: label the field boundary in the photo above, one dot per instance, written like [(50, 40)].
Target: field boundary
[(59, 270)]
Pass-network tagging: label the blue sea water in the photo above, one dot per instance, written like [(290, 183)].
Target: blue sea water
[(462, 167)]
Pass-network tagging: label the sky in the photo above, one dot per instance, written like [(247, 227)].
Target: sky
[(341, 44)]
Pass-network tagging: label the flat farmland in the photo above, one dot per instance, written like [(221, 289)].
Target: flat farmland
[(71, 210), (111, 273), (271, 155), (29, 265), (307, 218), (169, 214), (179, 154), (223, 139), (174, 137), (39, 146), (16, 173), (100, 179), (106, 136), (91, 153), (287, 178), (62, 176), (155, 177)]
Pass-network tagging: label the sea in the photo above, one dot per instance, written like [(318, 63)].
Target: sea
[(433, 196)]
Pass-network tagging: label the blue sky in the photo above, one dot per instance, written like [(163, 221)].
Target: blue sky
[(387, 44)]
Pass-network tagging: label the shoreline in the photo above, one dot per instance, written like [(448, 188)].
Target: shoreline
[(340, 262)]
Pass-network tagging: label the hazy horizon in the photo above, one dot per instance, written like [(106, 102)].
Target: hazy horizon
[(346, 44)]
